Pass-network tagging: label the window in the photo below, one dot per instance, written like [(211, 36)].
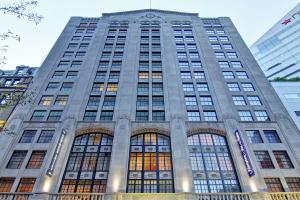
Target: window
[(94, 101), (76, 64), (158, 115), (206, 101), (16, 159), (112, 87), (181, 55), (223, 64), (202, 87), (61, 100), (66, 86), (46, 136), (283, 159), (183, 64), (196, 64), (189, 39), (90, 115), (143, 75), (114, 76), (292, 182), (26, 185), (272, 136), (76, 38), (239, 100), (141, 116), (233, 87), (79, 30), (206, 157), (98, 87), (150, 153), (210, 31), (58, 74), (143, 87), (261, 115), (264, 160), (236, 64), (46, 100), (88, 162), (6, 184), (157, 101), (188, 32), (190, 101), (87, 38), (188, 87), (212, 38), (220, 54), (142, 101), (254, 136), (156, 75), (185, 75), (248, 87), (199, 75), (228, 75), (216, 46), (7, 82), (227, 46), (105, 55), (72, 74), (68, 54), (192, 47), (274, 185), (28, 136), (210, 116), (54, 115), (245, 115), (242, 75), (193, 115), (223, 38), (83, 46), (36, 160), (231, 55), (38, 115), (254, 100), (177, 32), (109, 101), (178, 39), (106, 115), (52, 86), (157, 87), (62, 64), (194, 55), (80, 54), (103, 64)]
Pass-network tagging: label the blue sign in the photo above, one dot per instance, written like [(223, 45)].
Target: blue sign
[(244, 153)]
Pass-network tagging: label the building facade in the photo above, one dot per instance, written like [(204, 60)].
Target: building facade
[(150, 101), (13, 84)]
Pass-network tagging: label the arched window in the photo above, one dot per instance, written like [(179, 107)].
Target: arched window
[(150, 164), (212, 166), (88, 164)]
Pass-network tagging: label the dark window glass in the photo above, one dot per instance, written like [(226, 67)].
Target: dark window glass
[(46, 136), (28, 136), (16, 159), (272, 136)]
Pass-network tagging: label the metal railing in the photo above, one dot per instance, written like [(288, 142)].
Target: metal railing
[(223, 196)]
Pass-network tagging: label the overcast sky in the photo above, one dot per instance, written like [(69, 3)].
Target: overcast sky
[(251, 17)]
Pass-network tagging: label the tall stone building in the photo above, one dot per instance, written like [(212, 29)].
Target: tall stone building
[(150, 101)]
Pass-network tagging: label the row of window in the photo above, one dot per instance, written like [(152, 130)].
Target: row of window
[(209, 115), (35, 161), (274, 184), (204, 100), (61, 74), (228, 54), (237, 74), (234, 87), (39, 115), (265, 162), (144, 101), (65, 86), (90, 115), (145, 75)]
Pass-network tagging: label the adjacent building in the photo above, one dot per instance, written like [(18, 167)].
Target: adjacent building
[(150, 101), (13, 84)]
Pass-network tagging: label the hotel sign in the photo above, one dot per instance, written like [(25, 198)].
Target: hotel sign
[(244, 153), (56, 153)]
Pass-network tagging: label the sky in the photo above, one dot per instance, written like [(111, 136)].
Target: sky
[(252, 18)]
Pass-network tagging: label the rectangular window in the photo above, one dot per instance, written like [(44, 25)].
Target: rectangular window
[(245, 115), (227, 46), (16, 159), (232, 55), (188, 87), (61, 100), (264, 160), (261, 115), (6, 184), (58, 74), (103, 64), (194, 55), (254, 101), (185, 75), (220, 54), (212, 38), (236, 64), (76, 38), (210, 116), (199, 75), (142, 101), (274, 185), (196, 64), (90, 115), (72, 74), (248, 87), (52, 86), (157, 87), (38, 115), (156, 75), (193, 115), (54, 115), (116, 64), (26, 185), (206, 101), (228, 75), (80, 54), (157, 101), (94, 101), (76, 64), (158, 115), (223, 38), (87, 38), (272, 136), (178, 39), (181, 55), (189, 39), (216, 46), (72, 45), (292, 182), (28, 136), (106, 115), (46, 136), (66, 86), (223, 64), (202, 87), (112, 87), (98, 87), (83, 46), (242, 75), (36, 160), (254, 136), (46, 100), (143, 75), (68, 54), (143, 87), (210, 31), (109, 101), (190, 101), (283, 159), (233, 87), (239, 100), (62, 64), (142, 116), (192, 47)]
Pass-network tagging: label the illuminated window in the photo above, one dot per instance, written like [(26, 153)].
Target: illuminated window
[(98, 87), (92, 162), (150, 157), (112, 87), (36, 160), (6, 184), (274, 185), (46, 100), (156, 75), (292, 182), (209, 153), (61, 100), (26, 185)]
